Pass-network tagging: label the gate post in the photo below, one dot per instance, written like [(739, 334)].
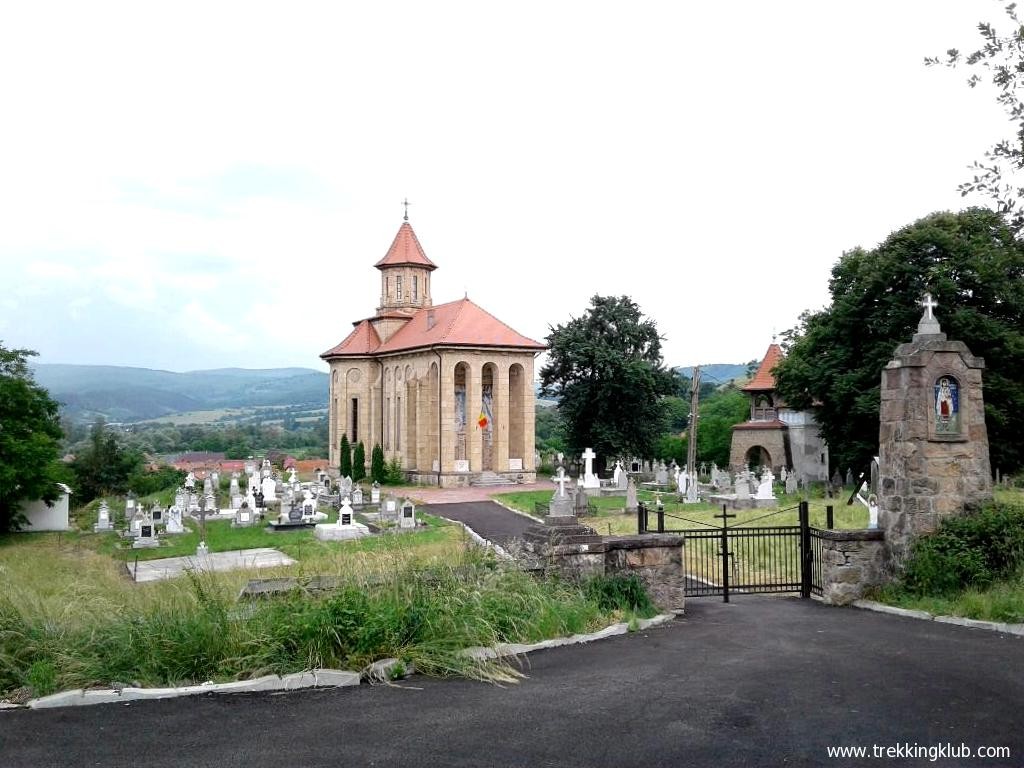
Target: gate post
[(661, 519), (725, 554), (805, 550), (830, 521), (641, 518)]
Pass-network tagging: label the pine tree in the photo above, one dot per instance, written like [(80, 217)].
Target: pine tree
[(378, 472), (345, 462), (358, 462)]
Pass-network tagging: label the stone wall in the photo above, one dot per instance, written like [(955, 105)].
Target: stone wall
[(656, 559), (852, 562)]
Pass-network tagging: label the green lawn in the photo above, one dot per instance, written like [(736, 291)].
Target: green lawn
[(612, 520)]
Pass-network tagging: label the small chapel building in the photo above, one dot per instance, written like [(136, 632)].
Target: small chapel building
[(445, 389), (776, 435)]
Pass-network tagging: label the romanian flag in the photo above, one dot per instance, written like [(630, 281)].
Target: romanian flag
[(483, 421)]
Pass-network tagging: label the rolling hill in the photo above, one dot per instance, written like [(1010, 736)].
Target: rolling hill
[(135, 394)]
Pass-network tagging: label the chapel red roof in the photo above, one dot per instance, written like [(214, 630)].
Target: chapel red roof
[(764, 379), (455, 324), (362, 341), (406, 249)]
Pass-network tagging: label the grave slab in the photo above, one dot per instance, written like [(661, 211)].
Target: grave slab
[(172, 567)]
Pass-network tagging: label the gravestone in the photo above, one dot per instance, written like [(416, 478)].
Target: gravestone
[(180, 498), (408, 519), (346, 486), (791, 483), (849, 477), (269, 487), (345, 528), (581, 502), (933, 443), (174, 524), (561, 501), (157, 515), (357, 496), (147, 537), (764, 488), (389, 510), (742, 487), (631, 501), (103, 522), (661, 474), (244, 517), (135, 524), (375, 493), (590, 480)]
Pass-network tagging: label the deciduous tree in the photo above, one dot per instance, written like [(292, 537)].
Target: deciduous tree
[(974, 266), (606, 370), (30, 435)]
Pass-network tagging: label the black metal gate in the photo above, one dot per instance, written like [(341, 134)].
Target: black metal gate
[(747, 558)]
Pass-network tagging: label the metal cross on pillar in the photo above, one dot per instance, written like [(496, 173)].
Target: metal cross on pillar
[(406, 204)]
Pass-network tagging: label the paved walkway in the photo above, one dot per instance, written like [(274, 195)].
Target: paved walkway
[(429, 495), (758, 682), (491, 521)]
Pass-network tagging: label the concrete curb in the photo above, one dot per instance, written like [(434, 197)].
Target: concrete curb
[(316, 678), (515, 649), (478, 539), (960, 621)]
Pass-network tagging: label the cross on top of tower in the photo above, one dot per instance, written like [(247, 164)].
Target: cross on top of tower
[(406, 204), (929, 304)]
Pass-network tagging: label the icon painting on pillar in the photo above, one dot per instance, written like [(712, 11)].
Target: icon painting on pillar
[(947, 406)]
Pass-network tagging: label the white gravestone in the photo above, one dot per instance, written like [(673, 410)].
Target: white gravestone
[(764, 488), (375, 493), (742, 487), (269, 486), (103, 520), (174, 524), (408, 518), (357, 496), (245, 517), (661, 474), (618, 476), (345, 528), (590, 480)]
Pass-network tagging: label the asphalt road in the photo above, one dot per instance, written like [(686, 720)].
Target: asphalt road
[(759, 682), (491, 521)]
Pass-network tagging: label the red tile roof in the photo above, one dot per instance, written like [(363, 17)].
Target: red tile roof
[(405, 249), (456, 324), (764, 379), (362, 341)]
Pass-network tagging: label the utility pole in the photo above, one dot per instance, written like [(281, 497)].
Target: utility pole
[(691, 443)]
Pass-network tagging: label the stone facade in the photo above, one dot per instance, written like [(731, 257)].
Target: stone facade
[(933, 445), (852, 562), (775, 435), (446, 391)]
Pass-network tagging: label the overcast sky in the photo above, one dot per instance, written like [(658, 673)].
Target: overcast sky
[(209, 184)]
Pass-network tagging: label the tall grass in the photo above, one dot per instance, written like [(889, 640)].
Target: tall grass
[(102, 630)]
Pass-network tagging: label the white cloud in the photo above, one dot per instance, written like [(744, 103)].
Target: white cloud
[(245, 162)]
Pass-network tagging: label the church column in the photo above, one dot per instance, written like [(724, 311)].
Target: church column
[(474, 435), (501, 417), (529, 417), (446, 398)]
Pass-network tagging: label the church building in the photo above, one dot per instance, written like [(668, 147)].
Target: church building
[(446, 389), (776, 435)]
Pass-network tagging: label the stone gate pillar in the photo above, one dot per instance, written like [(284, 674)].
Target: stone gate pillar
[(933, 446)]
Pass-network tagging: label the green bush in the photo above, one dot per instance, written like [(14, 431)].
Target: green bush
[(358, 462), (970, 551), (143, 482), (378, 471), (620, 593), (393, 473)]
